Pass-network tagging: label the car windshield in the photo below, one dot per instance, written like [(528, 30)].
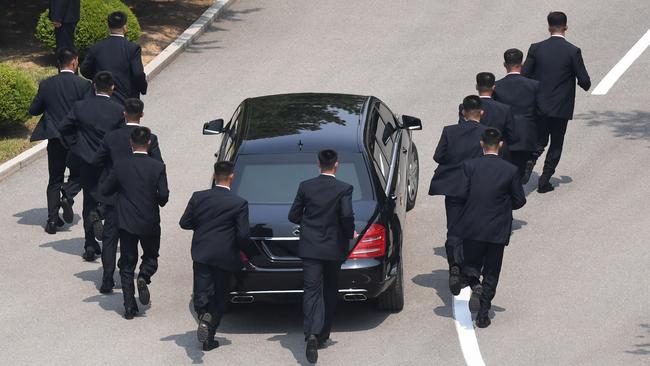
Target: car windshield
[(274, 178)]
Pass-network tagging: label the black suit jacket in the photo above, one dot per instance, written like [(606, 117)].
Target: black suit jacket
[(115, 147), (492, 190), (219, 219), (123, 59), (91, 119), (56, 96), (64, 11), (323, 209), (521, 94), (457, 143), (557, 64), (140, 182)]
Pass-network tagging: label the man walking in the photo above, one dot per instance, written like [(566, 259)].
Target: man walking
[(458, 143), (219, 219), (115, 147), (64, 15), (556, 64), (140, 182), (54, 100), (492, 191), (121, 57), (521, 94), (90, 119), (323, 209)]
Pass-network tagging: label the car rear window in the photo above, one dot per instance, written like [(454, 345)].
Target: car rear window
[(274, 178)]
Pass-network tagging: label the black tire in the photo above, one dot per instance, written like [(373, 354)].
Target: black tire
[(412, 178), (393, 299)]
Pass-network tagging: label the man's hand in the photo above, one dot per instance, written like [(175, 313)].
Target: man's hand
[(56, 24), (356, 235)]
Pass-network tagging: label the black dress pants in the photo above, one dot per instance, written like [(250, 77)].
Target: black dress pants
[(210, 291), (129, 259), (89, 177), (65, 35), (320, 284), (58, 158), (109, 242), (553, 129), (453, 244), (519, 159), (483, 258)]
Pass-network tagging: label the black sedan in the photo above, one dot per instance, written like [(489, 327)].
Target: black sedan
[(273, 141)]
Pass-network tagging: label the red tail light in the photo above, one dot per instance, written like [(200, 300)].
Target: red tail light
[(243, 256), (372, 244)]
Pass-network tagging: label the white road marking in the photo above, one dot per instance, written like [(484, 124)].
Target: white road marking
[(465, 329), (612, 76)]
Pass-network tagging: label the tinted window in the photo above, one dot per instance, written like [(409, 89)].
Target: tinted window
[(274, 178)]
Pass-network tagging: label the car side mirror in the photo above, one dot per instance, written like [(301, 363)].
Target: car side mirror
[(411, 123), (214, 127)]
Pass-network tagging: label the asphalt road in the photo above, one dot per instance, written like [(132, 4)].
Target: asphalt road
[(574, 285)]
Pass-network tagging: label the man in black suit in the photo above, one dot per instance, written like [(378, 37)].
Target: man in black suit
[(521, 94), (219, 219), (492, 190), (323, 209), (90, 120), (140, 182), (556, 64), (64, 15), (54, 100), (458, 143), (115, 147), (121, 57)]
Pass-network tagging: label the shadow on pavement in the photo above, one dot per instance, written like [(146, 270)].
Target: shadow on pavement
[(69, 246), (642, 349), (38, 217), (227, 15), (438, 280), (518, 224), (632, 125), (192, 346)]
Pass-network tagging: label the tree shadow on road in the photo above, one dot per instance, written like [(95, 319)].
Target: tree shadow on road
[(642, 349), (38, 217), (438, 280), (191, 345), (227, 15), (68, 246), (632, 125)]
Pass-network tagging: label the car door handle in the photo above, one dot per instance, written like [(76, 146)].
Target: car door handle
[(404, 150)]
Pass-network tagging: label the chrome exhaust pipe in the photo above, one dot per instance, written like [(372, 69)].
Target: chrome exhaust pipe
[(354, 297), (242, 299)]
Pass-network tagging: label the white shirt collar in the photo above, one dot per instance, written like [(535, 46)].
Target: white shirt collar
[(141, 152), (495, 154), (485, 96), (117, 35), (514, 73), (219, 185), (328, 174), (132, 124), (557, 35), (471, 120), (102, 95), (65, 70)]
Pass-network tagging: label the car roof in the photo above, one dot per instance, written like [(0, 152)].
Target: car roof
[(305, 122)]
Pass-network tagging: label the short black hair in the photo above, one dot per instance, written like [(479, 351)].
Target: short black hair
[(491, 137), (513, 57), (472, 103), (133, 106), (65, 55), (116, 20), (103, 81), (223, 169), (484, 81), (327, 159), (140, 136), (556, 19)]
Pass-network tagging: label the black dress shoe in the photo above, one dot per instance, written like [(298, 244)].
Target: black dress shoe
[(203, 331), (107, 287), (66, 205), (483, 322), (97, 225), (311, 351), (130, 312), (528, 171), (474, 300), (50, 227), (323, 342), (59, 222), (455, 280), (143, 291), (544, 187), (89, 254), (209, 345)]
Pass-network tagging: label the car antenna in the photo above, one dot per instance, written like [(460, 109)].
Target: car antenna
[(300, 145)]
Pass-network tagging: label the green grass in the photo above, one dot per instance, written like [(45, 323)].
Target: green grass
[(15, 139)]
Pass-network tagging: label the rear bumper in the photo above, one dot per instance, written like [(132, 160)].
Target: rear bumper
[(359, 280)]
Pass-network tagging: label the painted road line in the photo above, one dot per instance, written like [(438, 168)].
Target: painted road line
[(619, 69), (465, 329)]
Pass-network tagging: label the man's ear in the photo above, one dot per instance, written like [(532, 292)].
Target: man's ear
[(482, 112), (500, 144), (494, 87), (482, 145)]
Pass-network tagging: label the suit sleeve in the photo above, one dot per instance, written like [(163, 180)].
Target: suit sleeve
[(517, 193), (154, 150), (464, 184), (297, 208), (440, 156), (187, 220), (508, 129), (163, 189), (38, 104), (242, 224), (346, 213), (103, 153), (581, 71), (87, 68), (109, 185), (137, 71), (69, 122), (529, 65), (57, 9)]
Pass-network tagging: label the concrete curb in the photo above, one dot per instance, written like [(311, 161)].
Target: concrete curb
[(152, 69)]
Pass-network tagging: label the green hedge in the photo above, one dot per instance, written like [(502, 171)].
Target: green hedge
[(92, 26), (16, 93)]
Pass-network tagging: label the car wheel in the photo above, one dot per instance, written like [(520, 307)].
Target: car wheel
[(393, 299), (412, 178)]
